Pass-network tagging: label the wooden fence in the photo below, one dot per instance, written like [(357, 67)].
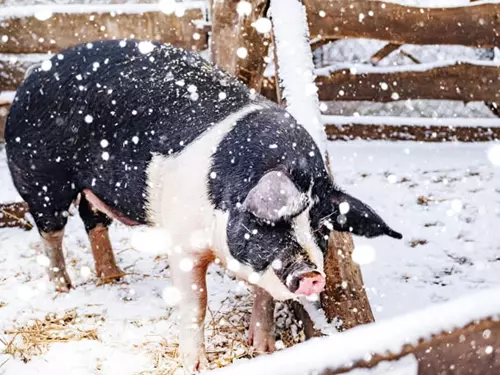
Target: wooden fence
[(26, 31)]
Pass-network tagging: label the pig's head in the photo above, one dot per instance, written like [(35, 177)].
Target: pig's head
[(282, 232)]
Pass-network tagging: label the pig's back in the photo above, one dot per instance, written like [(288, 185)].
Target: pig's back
[(99, 112), (110, 90)]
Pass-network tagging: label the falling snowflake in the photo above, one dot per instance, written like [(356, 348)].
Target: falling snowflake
[(171, 295), (43, 260), (242, 52), (44, 14), (104, 143), (456, 205), (494, 155), (364, 254), (167, 6), (392, 179), (233, 265), (263, 25), (85, 272), (46, 65), (344, 208), (145, 47), (89, 119), (244, 8), (254, 278), (186, 264)]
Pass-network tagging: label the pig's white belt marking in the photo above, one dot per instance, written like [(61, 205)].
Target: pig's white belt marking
[(177, 184)]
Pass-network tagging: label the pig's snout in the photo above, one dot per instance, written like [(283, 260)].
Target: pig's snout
[(308, 283)]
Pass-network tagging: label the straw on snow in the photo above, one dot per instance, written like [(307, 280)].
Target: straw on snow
[(296, 68)]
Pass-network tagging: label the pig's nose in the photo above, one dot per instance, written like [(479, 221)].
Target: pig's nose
[(311, 283)]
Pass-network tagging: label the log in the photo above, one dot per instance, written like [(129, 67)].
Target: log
[(12, 72), (431, 133), (349, 304), (461, 81), (474, 25), (63, 30), (13, 215), (345, 297), (230, 31)]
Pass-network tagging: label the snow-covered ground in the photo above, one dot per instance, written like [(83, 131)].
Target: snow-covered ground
[(444, 198)]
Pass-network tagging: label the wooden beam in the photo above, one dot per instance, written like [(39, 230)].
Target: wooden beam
[(462, 81), (345, 296), (432, 133), (12, 73), (63, 30), (230, 32), (474, 25)]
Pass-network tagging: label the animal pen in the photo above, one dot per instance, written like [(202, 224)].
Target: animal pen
[(470, 343)]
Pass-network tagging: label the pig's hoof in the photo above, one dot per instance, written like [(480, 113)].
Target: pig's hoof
[(62, 282), (196, 365), (109, 275), (261, 340)]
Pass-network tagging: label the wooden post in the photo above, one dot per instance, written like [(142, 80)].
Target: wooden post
[(345, 296), (236, 45)]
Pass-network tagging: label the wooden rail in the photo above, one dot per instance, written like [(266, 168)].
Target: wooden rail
[(29, 34), (473, 26), (463, 81)]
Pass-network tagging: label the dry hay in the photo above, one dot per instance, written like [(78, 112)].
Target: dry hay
[(226, 337), (165, 357), (35, 338)]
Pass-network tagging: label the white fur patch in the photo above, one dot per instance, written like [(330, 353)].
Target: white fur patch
[(305, 237), (178, 198)]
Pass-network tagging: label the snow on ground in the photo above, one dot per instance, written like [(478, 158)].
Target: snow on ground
[(444, 198)]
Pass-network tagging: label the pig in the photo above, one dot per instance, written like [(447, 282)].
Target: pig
[(148, 134)]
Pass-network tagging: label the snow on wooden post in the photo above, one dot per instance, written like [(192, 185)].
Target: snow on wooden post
[(296, 72), (296, 69)]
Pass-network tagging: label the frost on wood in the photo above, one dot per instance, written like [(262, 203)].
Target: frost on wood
[(296, 68), (393, 336)]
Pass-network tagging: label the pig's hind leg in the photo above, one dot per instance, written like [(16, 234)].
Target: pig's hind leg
[(48, 199), (96, 224)]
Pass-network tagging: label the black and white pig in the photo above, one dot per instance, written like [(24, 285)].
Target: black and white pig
[(149, 134)]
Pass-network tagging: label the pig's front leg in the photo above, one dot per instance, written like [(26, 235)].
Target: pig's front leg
[(192, 310), (261, 333)]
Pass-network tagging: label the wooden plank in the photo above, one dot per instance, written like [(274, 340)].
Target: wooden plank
[(474, 25), (230, 32), (12, 73), (432, 133), (63, 30), (462, 81)]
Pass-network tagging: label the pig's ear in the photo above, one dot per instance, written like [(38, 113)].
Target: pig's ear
[(352, 215), (275, 198)]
